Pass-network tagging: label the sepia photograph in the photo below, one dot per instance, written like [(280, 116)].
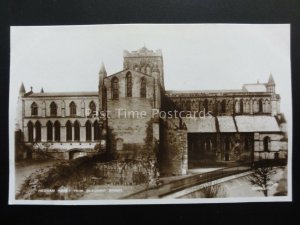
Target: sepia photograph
[(150, 114)]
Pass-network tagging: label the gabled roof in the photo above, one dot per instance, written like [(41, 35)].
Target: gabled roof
[(128, 70)]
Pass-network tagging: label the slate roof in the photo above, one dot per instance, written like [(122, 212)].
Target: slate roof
[(255, 87), (226, 124), (63, 94), (203, 91), (200, 125), (256, 124)]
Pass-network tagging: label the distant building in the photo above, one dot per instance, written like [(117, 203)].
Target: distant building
[(216, 125)]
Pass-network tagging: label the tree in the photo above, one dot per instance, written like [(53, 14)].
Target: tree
[(261, 178)]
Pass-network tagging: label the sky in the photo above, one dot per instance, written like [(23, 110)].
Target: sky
[(196, 56)]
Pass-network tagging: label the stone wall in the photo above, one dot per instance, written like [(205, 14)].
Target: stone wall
[(129, 117), (278, 146), (63, 115), (131, 172), (20, 152), (63, 109), (195, 103), (174, 154), (64, 151), (63, 132), (210, 148)]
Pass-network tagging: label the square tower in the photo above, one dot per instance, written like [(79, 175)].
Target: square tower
[(145, 61)]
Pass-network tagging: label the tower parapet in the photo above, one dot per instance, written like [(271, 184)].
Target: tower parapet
[(145, 61), (143, 52)]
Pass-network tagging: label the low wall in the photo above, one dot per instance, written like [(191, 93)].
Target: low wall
[(130, 172)]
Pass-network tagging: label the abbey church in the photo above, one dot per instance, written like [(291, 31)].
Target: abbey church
[(244, 125)]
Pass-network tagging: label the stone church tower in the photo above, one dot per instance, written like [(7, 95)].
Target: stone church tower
[(136, 89), (148, 62)]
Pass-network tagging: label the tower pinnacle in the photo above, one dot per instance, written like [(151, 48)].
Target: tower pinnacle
[(102, 70), (271, 79), (22, 90)]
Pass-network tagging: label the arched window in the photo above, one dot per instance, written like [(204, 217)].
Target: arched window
[(247, 144), (92, 107), (208, 146), (205, 105), (241, 106), (69, 131), (119, 144), (96, 130), (223, 106), (247, 106), (34, 109), (260, 105), (73, 109), (88, 131), (199, 106), (30, 131), (217, 107), (227, 144), (104, 98), (57, 131), (38, 131), (255, 106), (237, 108), (188, 105), (267, 106), (129, 85), (53, 109), (76, 131), (115, 88), (266, 141), (49, 131), (148, 70), (143, 89)]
